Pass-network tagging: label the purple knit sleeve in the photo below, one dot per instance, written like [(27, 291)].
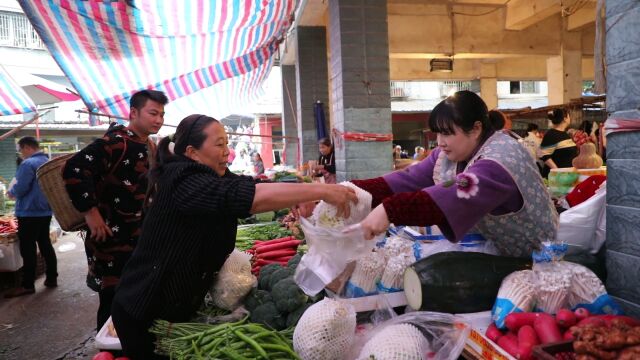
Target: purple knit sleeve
[(497, 194)]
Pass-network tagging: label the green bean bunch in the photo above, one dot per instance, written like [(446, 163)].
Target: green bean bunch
[(236, 341)]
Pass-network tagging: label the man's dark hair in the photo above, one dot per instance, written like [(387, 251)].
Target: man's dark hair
[(29, 141), (139, 99)]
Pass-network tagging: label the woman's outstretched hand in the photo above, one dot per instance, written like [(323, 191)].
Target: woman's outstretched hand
[(341, 197), (377, 222)]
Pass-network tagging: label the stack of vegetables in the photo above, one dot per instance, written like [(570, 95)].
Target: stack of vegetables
[(248, 234), (526, 330), (8, 227), (238, 340), (277, 301), (276, 251)]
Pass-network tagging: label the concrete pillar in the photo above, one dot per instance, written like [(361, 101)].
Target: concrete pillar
[(489, 85), (564, 72), (360, 94), (289, 112), (312, 85), (623, 155)]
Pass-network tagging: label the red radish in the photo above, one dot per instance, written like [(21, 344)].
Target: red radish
[(275, 241), (493, 333), (122, 358), (509, 343), (568, 335), (262, 262), (581, 313), (592, 321), (283, 258), (515, 321), (527, 339), (566, 318), (283, 245), (547, 329), (277, 253), (103, 355)]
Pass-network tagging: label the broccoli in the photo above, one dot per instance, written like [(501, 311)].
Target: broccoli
[(256, 298), (268, 314), (287, 295), (265, 275), (294, 261), (292, 318), (278, 275)]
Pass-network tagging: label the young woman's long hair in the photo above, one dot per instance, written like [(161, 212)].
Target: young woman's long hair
[(190, 131)]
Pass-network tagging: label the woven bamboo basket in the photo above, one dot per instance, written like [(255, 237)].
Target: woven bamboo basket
[(52, 185)]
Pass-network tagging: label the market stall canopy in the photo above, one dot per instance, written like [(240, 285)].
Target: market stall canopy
[(109, 49), (42, 91), (13, 99)]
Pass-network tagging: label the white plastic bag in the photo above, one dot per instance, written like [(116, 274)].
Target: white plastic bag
[(419, 335), (584, 225), (330, 250)]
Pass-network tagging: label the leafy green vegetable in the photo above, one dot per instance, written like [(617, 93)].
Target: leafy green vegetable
[(287, 295), (256, 298), (268, 314), (294, 261), (263, 231), (293, 317), (278, 275), (265, 275)]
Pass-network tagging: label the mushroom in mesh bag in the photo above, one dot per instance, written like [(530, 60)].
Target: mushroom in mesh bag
[(416, 336), (325, 331), (234, 281)]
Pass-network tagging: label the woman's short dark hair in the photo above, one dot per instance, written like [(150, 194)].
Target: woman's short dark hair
[(498, 119), (461, 109), (557, 116), (532, 127), (325, 141)]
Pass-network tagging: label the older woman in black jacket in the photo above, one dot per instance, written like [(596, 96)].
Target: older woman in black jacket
[(189, 228)]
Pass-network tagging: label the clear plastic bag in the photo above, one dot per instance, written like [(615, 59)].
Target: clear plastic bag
[(329, 252), (417, 335)]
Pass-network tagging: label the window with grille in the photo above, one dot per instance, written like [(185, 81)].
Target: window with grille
[(16, 31), (524, 87)]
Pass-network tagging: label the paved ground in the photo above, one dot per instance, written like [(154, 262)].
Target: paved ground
[(55, 323)]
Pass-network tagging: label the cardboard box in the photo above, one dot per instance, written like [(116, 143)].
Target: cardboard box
[(10, 258), (478, 343)]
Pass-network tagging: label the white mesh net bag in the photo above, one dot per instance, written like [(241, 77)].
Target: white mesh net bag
[(325, 214), (396, 342), (234, 281), (325, 331)]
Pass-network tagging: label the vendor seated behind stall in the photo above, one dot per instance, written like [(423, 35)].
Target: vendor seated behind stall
[(477, 178), (189, 228)]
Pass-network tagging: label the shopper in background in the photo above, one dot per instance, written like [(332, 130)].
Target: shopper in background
[(326, 166), (107, 183), (190, 228), (532, 141), (258, 164), (34, 218), (558, 150), (419, 153)]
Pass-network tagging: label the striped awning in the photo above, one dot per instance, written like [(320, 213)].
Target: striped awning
[(110, 49), (13, 99)]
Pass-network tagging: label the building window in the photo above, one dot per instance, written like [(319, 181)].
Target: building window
[(16, 31), (450, 87), (524, 87)]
